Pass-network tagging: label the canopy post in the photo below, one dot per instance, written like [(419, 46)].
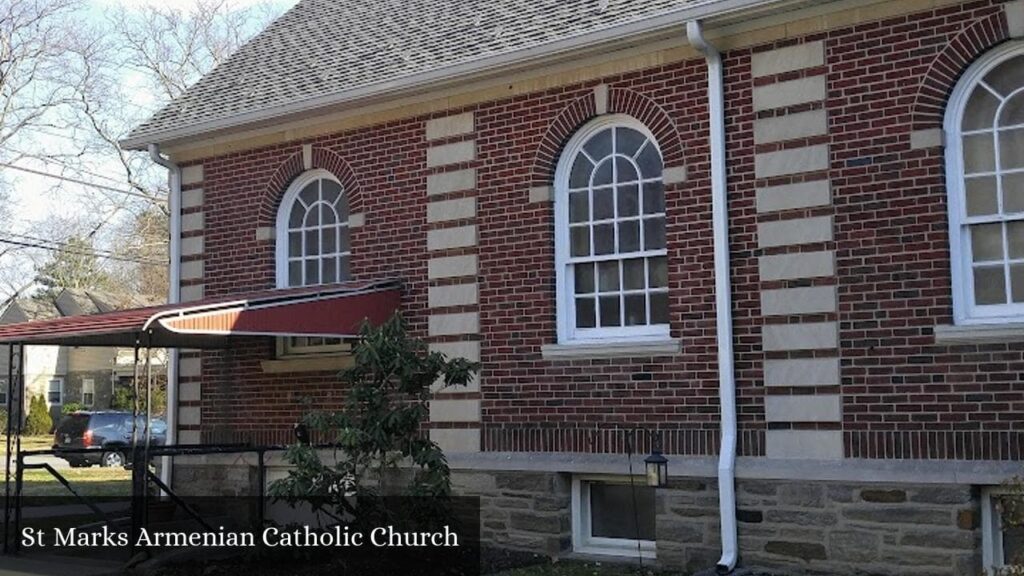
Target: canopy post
[(19, 425), (7, 455)]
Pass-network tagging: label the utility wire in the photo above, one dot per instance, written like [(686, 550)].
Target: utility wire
[(61, 244), (83, 253), (155, 199)]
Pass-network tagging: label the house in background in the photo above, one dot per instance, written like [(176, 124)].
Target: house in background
[(63, 374)]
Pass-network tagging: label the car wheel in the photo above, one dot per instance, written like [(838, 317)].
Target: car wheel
[(112, 460)]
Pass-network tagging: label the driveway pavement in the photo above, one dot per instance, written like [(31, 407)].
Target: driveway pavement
[(57, 463)]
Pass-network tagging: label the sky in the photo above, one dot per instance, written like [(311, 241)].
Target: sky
[(34, 196)]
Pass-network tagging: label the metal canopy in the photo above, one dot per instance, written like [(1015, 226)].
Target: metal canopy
[(333, 311)]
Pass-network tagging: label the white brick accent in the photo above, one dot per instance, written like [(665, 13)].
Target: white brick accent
[(809, 336), (442, 410), (802, 372), (446, 238), (930, 138), (191, 293), (450, 126), (797, 266), (454, 440), (452, 324), (802, 408), (790, 126), (674, 175), (803, 300), (542, 194), (188, 437), (192, 222), (190, 391), (189, 416), (456, 181), (190, 367), (452, 295), (804, 444), (470, 350), (307, 156), (1015, 18), (790, 93), (192, 198), (454, 153), (192, 246), (192, 270), (445, 210), (601, 98), (794, 232), (788, 59), (192, 175), (791, 161), (452, 267), (791, 196)]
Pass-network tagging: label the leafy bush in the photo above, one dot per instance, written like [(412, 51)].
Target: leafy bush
[(1010, 506), (121, 399), (71, 407), (380, 427), (39, 421), (3, 420)]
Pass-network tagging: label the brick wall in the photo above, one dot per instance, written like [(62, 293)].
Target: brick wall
[(899, 389)]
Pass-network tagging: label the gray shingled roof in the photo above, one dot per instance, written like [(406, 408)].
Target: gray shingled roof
[(325, 47)]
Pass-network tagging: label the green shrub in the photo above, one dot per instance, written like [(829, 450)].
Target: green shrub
[(71, 407), (39, 421), (3, 420)]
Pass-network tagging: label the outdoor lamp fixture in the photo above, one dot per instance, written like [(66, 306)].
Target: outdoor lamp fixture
[(657, 466), (302, 433)]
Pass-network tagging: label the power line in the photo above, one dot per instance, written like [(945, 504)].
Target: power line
[(85, 183), (82, 253), (63, 245)]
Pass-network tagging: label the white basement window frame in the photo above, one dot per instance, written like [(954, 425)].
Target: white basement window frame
[(984, 125), (993, 539), (583, 539), (610, 241), (88, 392)]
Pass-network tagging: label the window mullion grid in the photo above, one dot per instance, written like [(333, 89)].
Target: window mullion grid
[(615, 228), (998, 163)]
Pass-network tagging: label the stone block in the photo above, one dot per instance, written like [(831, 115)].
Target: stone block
[(791, 161), (789, 93), (941, 494), (898, 515), (448, 238), (802, 494), (452, 266), (803, 408), (452, 295), (525, 482), (794, 232), (802, 372), (884, 496), (447, 182), (804, 444), (680, 531), (853, 545), (533, 522), (800, 517), (444, 410), (790, 126), (800, 300), (454, 153), (447, 210), (787, 59), (191, 174), (805, 551), (452, 324), (793, 196), (457, 439), (944, 539), (797, 266), (448, 126), (807, 336)]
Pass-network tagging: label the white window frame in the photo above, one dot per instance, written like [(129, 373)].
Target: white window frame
[(565, 303), (965, 311), (991, 531), (88, 387), (583, 542), (60, 388), (284, 212)]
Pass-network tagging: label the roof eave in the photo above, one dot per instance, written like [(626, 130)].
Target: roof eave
[(448, 75)]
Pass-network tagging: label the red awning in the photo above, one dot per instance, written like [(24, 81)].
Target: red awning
[(333, 311)]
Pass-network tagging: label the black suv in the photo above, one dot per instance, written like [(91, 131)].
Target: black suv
[(108, 433)]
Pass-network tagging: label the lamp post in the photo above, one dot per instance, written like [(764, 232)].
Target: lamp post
[(657, 465)]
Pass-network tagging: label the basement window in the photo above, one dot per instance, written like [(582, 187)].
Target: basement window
[(613, 517), (1002, 542)]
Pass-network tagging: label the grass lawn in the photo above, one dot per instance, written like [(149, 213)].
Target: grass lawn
[(90, 482), (29, 443)]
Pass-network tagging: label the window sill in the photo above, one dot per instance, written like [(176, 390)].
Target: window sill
[(311, 364), (980, 333), (663, 347)]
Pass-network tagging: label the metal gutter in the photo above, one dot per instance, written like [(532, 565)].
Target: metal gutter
[(433, 79)]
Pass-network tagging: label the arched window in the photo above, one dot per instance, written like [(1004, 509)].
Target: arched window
[(312, 232), (985, 179), (612, 269)]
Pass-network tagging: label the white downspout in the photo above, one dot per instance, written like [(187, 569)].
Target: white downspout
[(173, 297), (723, 297)]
